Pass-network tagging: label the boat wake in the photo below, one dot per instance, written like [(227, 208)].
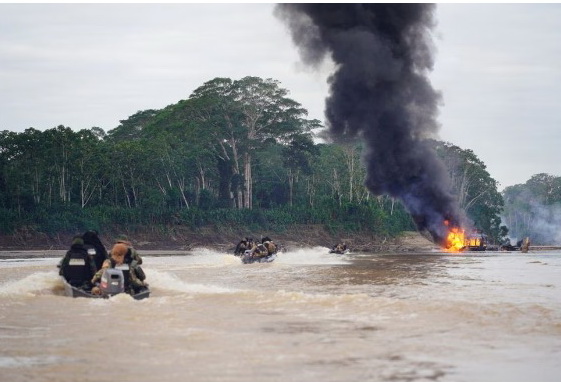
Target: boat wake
[(311, 256), (165, 281), (34, 284), (161, 277)]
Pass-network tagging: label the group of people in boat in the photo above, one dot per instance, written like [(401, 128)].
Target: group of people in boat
[(254, 249), (248, 246), (89, 250), (339, 248)]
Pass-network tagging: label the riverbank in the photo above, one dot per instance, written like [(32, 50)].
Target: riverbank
[(180, 239)]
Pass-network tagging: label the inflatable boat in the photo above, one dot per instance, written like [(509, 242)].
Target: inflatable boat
[(248, 258)]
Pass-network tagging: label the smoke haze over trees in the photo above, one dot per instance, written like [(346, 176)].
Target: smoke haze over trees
[(476, 191), (533, 209)]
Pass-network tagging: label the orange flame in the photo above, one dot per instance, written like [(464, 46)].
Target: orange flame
[(455, 241)]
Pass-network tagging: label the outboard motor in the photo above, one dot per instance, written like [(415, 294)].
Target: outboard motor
[(112, 282), (247, 258)]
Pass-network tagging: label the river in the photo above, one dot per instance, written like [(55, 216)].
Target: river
[(308, 316)]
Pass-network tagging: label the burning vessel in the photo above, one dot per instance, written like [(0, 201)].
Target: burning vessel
[(459, 240)]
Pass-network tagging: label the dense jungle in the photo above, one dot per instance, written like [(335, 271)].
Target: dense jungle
[(236, 158)]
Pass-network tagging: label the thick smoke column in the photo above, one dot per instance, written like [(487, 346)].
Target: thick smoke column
[(380, 91)]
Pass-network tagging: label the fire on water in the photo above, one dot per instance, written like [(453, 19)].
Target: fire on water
[(455, 241), (458, 240)]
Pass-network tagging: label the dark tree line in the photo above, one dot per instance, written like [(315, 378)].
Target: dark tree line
[(235, 152)]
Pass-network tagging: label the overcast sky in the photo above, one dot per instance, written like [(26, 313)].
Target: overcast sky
[(84, 65)]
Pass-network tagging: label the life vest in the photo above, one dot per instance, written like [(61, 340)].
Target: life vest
[(135, 271), (271, 247), (77, 266)]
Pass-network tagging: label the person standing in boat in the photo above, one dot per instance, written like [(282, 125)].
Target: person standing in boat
[(525, 246)]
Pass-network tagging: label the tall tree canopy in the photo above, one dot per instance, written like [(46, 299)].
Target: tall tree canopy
[(231, 151), (246, 115)]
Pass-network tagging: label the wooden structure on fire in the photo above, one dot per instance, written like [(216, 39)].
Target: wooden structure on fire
[(475, 241)]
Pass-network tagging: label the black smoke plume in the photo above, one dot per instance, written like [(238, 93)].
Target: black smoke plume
[(380, 92)]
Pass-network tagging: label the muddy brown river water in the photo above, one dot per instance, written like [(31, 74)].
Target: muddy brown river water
[(308, 316)]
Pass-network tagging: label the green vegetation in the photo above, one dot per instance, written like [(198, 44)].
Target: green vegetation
[(234, 154), (533, 209), (476, 190)]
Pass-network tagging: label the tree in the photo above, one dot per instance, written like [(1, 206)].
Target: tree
[(189, 155), (476, 190), (545, 188), (297, 158), (127, 172), (132, 128), (534, 209), (245, 114), (91, 161)]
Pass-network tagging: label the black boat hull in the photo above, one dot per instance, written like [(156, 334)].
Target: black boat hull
[(344, 252)]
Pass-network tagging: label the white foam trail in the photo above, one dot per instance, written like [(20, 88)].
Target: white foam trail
[(311, 256), (36, 262), (170, 282), (9, 362), (49, 282), (29, 285), (163, 281), (200, 257), (41, 282)]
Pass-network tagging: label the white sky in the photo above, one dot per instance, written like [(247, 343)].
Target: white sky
[(83, 65)]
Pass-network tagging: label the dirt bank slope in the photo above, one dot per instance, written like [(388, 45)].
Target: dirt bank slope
[(181, 238)]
